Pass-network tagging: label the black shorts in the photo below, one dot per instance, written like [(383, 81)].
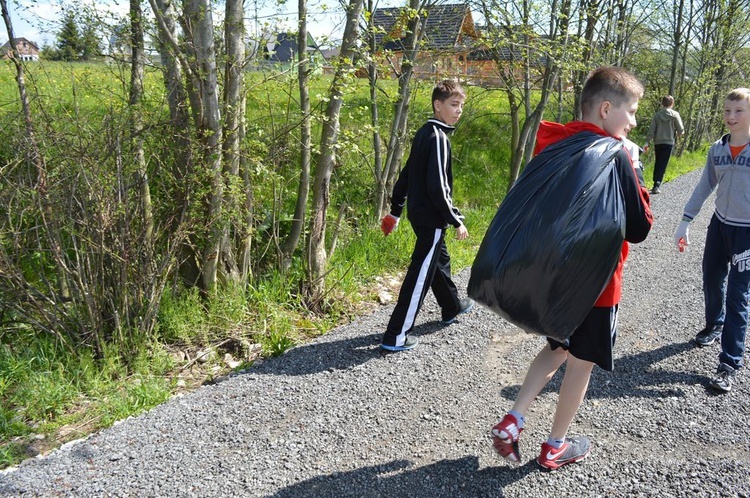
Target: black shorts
[(594, 339)]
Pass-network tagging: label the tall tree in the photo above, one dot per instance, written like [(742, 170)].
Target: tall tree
[(303, 189), (176, 69), (589, 15), (90, 42), (137, 64), (197, 58), (678, 9), (199, 28), (69, 45), (416, 19), (523, 56), (370, 31), (234, 112), (316, 250)]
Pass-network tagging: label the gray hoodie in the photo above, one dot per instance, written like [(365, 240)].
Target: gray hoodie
[(665, 123), (731, 180)]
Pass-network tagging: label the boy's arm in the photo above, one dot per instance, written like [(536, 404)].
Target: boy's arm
[(702, 191), (438, 185), (638, 216), (400, 189), (398, 200), (705, 187), (680, 126)]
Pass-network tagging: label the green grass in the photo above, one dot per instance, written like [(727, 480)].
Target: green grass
[(45, 389)]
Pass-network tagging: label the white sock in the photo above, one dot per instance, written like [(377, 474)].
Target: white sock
[(555, 442), (519, 418)]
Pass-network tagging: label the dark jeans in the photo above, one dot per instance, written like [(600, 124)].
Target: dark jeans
[(662, 152), (726, 286)]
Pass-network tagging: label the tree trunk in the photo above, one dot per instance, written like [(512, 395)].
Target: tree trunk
[(395, 153), (303, 190), (372, 77), (246, 244), (234, 112), (184, 158), (198, 28), (587, 22), (679, 11), (137, 64), (317, 258)]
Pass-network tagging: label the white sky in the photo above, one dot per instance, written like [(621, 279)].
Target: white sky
[(39, 20)]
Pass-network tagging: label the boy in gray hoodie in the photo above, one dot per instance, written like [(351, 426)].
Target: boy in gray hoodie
[(665, 125), (726, 255)]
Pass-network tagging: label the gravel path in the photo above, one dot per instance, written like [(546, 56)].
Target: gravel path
[(336, 418)]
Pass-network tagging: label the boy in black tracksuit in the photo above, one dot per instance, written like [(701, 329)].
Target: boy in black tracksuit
[(427, 182)]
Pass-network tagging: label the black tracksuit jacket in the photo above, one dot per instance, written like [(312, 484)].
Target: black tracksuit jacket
[(427, 180)]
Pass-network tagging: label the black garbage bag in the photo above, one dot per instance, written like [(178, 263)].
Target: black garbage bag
[(556, 238)]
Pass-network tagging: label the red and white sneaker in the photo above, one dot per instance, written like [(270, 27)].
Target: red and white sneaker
[(574, 449), (505, 438)]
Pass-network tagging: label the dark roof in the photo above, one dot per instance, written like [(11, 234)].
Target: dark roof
[(508, 51), (6, 45), (442, 31), (329, 53), (285, 47), (498, 54)]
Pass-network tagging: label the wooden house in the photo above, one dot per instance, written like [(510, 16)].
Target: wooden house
[(27, 50), (449, 37), (452, 45)]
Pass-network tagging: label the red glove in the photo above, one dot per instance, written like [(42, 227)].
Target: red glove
[(388, 224)]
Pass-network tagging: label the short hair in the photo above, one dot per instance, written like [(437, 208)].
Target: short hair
[(667, 100), (445, 90), (739, 94), (612, 83)]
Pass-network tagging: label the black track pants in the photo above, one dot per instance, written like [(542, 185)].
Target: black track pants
[(430, 267)]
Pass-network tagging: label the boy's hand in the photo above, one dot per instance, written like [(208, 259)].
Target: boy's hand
[(388, 224), (645, 149), (461, 233), (682, 236)]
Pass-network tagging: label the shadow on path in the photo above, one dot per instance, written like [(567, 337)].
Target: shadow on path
[(334, 355), (636, 375), (447, 478)]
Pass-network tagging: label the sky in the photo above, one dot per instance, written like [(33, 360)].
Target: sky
[(39, 20)]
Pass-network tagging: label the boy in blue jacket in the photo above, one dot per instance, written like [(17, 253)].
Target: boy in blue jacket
[(427, 182)]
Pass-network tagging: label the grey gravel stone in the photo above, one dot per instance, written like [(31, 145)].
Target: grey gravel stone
[(336, 418)]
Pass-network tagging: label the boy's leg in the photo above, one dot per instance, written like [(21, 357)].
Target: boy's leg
[(443, 287), (540, 372), (559, 450), (505, 433), (716, 259), (591, 344), (572, 391), (737, 293), (661, 159), (414, 287)]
